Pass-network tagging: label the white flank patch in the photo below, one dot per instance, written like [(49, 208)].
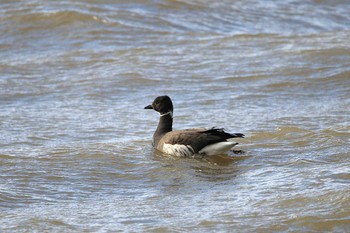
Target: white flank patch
[(178, 150), (217, 148)]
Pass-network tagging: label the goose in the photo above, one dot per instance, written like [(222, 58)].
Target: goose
[(188, 142)]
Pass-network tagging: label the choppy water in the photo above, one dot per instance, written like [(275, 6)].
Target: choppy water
[(75, 142)]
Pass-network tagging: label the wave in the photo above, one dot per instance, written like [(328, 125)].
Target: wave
[(49, 20), (297, 137), (184, 16), (329, 82)]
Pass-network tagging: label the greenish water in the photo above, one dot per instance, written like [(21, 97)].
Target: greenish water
[(75, 141)]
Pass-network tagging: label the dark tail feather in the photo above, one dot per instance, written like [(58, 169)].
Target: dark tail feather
[(220, 132), (237, 135)]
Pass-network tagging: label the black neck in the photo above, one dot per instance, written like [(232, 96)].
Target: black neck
[(165, 125)]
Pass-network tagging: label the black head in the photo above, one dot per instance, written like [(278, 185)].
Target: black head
[(161, 104)]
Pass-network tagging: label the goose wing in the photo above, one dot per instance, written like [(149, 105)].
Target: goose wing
[(197, 139)]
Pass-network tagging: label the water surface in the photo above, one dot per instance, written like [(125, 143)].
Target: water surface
[(75, 141)]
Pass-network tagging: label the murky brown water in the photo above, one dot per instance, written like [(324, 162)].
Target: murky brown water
[(75, 142)]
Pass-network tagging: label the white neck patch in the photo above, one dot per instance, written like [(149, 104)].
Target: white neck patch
[(171, 114)]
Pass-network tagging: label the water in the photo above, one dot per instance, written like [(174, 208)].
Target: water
[(75, 142)]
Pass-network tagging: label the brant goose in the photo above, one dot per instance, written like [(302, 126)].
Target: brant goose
[(189, 142)]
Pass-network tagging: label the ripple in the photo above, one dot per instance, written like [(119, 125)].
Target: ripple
[(75, 142)]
